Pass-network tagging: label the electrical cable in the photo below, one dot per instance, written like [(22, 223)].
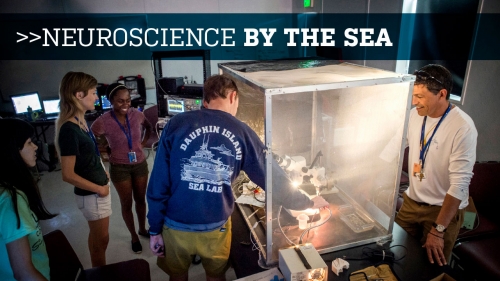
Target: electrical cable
[(255, 197), (242, 185), (156, 126), (378, 254), (304, 232), (279, 225), (406, 252), (311, 221), (254, 244), (158, 83), (157, 134)]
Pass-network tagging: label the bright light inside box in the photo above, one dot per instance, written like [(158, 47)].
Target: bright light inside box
[(308, 212), (316, 274)]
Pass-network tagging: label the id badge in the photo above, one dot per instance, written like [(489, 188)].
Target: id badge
[(132, 158), (416, 169)]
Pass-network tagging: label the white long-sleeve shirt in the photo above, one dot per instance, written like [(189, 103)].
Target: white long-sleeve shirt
[(449, 161)]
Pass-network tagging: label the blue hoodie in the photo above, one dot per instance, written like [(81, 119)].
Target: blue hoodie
[(200, 153)]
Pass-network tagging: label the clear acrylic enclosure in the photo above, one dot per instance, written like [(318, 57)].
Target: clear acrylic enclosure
[(336, 130)]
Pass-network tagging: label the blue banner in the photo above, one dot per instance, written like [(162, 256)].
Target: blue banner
[(251, 36)]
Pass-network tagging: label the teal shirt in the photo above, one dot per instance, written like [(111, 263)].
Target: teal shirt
[(9, 232)]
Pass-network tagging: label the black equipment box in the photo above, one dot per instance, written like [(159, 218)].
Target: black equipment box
[(193, 90), (177, 104), (168, 85)]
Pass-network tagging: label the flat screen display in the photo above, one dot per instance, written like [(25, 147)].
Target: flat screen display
[(175, 106), (22, 101), (106, 104), (51, 106)]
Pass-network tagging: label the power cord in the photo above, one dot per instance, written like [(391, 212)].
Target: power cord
[(255, 197), (255, 247), (158, 83), (304, 232), (379, 255), (376, 254), (157, 125), (311, 227), (281, 229), (254, 189)]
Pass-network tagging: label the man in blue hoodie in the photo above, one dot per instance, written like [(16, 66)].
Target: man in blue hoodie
[(190, 200)]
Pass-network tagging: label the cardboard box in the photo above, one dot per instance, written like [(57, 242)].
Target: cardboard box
[(443, 277)]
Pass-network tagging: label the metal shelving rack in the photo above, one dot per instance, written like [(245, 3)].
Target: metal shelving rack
[(157, 57)]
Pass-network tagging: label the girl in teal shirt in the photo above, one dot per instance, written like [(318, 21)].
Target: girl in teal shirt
[(22, 250)]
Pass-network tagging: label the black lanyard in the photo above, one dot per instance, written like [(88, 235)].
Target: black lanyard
[(129, 135), (92, 137), (425, 148)]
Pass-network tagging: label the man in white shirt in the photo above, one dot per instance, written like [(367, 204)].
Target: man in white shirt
[(442, 141)]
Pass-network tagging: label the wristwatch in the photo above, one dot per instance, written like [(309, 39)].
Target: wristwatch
[(439, 227)]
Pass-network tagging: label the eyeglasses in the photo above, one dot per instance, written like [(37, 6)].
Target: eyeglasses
[(422, 75)]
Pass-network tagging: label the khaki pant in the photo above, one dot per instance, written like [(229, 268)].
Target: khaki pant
[(417, 219), (180, 247)]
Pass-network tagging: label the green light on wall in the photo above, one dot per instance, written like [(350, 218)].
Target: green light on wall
[(308, 3)]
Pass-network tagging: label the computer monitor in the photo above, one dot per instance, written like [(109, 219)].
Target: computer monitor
[(22, 101), (101, 91), (175, 106), (51, 106), (105, 103)]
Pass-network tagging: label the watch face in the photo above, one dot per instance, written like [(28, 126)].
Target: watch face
[(440, 228)]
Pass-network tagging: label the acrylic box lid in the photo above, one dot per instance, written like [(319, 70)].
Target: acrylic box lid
[(283, 74)]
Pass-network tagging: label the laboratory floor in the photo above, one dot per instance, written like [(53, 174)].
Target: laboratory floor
[(59, 198)]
